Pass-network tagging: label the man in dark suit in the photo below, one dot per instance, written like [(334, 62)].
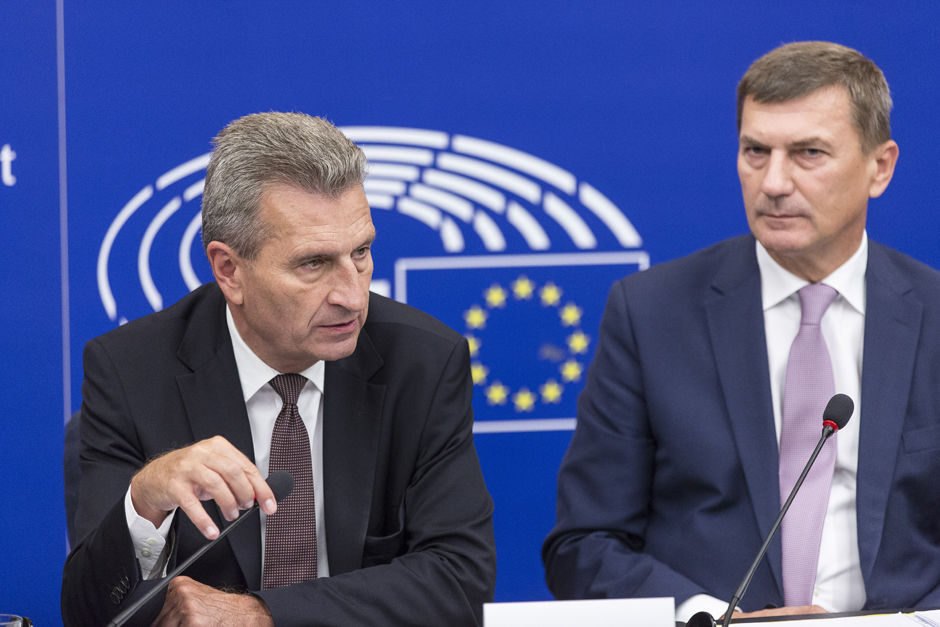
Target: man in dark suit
[(673, 477), (391, 522)]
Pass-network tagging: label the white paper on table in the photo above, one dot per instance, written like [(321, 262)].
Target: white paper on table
[(922, 619), (595, 612)]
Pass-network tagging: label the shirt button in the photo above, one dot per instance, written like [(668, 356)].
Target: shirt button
[(146, 552), (815, 592), (151, 541)]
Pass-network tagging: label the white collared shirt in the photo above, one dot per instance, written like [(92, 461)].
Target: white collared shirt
[(263, 405), (839, 583)]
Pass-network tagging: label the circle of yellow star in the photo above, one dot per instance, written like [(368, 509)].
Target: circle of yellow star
[(522, 288), (578, 342), (551, 391), (550, 294), (570, 315), (474, 343), (571, 371), (524, 400), (496, 393), (495, 296), (475, 317), (479, 372)]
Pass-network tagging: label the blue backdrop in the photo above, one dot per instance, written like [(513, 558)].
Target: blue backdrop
[(524, 155)]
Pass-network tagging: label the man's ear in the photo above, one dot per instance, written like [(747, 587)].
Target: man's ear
[(227, 267), (885, 157)]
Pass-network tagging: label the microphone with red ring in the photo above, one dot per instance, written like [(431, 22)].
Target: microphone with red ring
[(836, 416), (145, 594)]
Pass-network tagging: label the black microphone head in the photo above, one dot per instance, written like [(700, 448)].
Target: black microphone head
[(839, 410), (281, 483)]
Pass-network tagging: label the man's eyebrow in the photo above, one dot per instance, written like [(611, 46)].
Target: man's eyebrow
[(810, 142), (746, 140)]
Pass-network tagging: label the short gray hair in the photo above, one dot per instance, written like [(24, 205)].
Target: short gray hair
[(263, 149), (798, 69)]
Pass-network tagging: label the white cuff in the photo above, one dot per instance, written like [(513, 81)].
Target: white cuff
[(149, 541), (700, 603)]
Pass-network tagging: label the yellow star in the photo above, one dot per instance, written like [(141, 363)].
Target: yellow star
[(522, 288), (578, 342), (496, 394), (474, 343), (551, 391), (571, 371), (550, 294), (475, 317), (524, 400), (478, 371), (570, 315), (495, 296)]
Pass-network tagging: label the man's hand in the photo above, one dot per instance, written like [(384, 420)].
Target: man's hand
[(189, 602), (210, 469), (781, 611)]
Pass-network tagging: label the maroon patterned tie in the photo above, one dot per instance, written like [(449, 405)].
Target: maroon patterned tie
[(290, 545), (808, 388)]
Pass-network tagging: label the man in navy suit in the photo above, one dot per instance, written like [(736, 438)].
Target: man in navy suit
[(671, 480), (186, 405)]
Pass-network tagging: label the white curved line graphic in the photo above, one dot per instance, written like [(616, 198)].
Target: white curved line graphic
[(576, 228), (380, 201), (489, 232), (183, 170), (143, 255), (418, 156), (186, 247), (194, 190), (484, 194), (610, 215), (421, 212), (384, 186), (516, 159), (455, 205), (394, 171), (533, 233), (501, 177), (104, 285), (451, 236), (396, 135)]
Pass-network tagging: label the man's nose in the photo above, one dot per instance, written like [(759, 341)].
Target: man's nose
[(778, 175), (347, 290)]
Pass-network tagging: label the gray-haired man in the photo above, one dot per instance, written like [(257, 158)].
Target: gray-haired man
[(194, 403)]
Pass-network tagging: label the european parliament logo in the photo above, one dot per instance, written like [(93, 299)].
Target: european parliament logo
[(512, 251)]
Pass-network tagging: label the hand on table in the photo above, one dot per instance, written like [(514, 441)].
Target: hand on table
[(210, 469), (781, 611), (189, 602)]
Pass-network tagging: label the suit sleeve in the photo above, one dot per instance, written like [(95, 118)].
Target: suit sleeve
[(102, 570), (596, 549), (448, 569)]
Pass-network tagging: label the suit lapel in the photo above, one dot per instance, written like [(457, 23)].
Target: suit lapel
[(736, 325), (352, 411), (892, 328), (214, 405)]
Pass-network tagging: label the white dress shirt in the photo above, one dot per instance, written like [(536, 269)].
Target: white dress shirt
[(263, 405), (839, 583)]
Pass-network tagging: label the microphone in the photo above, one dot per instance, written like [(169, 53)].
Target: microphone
[(835, 416), (281, 484)]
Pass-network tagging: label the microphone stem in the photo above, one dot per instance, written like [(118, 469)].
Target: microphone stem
[(826, 432)]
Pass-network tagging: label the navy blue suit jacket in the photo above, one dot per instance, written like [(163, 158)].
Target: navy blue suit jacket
[(670, 483)]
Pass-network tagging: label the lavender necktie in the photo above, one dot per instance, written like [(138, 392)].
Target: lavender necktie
[(290, 537), (809, 386)]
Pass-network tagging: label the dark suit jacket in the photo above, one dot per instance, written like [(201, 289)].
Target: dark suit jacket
[(670, 483), (407, 514)]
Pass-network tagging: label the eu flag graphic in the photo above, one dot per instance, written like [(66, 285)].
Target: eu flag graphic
[(531, 322)]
